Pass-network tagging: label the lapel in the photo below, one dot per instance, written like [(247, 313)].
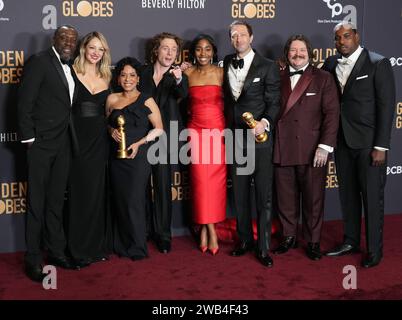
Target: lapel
[(355, 71), (163, 87), (286, 90), (251, 73), (60, 71), (75, 87), (300, 88), (226, 76), (333, 71)]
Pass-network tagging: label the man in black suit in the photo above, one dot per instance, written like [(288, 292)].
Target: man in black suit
[(166, 84), (44, 104), (367, 89), (251, 84)]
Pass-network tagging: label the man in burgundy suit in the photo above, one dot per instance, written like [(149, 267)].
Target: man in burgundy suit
[(305, 134)]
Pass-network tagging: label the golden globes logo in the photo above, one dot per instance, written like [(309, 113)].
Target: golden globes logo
[(332, 179), (13, 197), (11, 63), (180, 186), (398, 119), (253, 9), (320, 54), (87, 8)]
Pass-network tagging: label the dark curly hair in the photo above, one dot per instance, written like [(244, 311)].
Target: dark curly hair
[(302, 38), (156, 43), (126, 61), (194, 43)]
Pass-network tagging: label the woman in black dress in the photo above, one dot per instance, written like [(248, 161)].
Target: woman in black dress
[(87, 196), (129, 177)]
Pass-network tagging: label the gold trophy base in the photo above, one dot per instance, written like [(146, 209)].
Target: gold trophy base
[(122, 154), (261, 138)]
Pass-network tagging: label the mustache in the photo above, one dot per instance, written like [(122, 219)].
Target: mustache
[(298, 56)]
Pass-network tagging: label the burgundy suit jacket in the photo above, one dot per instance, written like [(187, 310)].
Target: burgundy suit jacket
[(309, 116)]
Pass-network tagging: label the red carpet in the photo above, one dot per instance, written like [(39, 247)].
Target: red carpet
[(185, 273)]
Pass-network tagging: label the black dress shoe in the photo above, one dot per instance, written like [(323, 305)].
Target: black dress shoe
[(62, 262), (342, 250), (313, 251), (285, 245), (242, 248), (164, 246), (265, 260), (34, 272), (82, 263), (99, 259), (137, 257), (371, 260)]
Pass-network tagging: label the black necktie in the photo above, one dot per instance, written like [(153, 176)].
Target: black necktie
[(296, 72), (237, 64)]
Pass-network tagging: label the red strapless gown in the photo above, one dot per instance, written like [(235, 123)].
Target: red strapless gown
[(208, 167)]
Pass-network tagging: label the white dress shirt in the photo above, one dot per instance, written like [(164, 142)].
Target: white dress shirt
[(70, 81), (345, 66), (343, 71), (237, 77)]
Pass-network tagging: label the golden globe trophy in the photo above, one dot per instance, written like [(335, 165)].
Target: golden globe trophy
[(249, 119), (121, 152)]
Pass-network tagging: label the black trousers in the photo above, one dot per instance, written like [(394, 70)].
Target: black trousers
[(162, 205), (360, 183), (263, 176), (48, 169)]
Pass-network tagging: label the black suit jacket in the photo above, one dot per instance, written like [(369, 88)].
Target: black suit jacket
[(166, 95), (44, 105), (260, 94), (367, 102)]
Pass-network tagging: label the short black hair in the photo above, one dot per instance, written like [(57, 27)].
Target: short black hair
[(126, 61), (197, 39), (67, 26)]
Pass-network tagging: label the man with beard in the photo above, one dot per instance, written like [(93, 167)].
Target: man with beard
[(304, 136), (367, 96), (44, 112)]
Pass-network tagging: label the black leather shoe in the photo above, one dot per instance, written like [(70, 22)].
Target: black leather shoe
[(99, 259), (265, 260), (137, 257), (34, 272), (285, 245), (371, 260), (164, 246), (313, 251), (62, 262), (242, 248), (82, 263), (342, 250)]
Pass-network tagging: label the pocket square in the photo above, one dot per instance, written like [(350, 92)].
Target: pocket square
[(310, 94), (362, 77), (256, 79)]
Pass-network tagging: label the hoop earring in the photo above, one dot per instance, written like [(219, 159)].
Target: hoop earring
[(212, 61)]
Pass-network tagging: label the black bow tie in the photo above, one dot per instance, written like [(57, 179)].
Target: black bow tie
[(66, 62), (296, 72), (237, 64)]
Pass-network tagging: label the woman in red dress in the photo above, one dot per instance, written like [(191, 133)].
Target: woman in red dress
[(207, 122)]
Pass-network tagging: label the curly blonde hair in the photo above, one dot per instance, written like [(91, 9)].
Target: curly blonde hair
[(103, 65)]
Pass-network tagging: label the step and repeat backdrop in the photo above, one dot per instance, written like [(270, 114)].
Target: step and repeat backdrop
[(27, 26)]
